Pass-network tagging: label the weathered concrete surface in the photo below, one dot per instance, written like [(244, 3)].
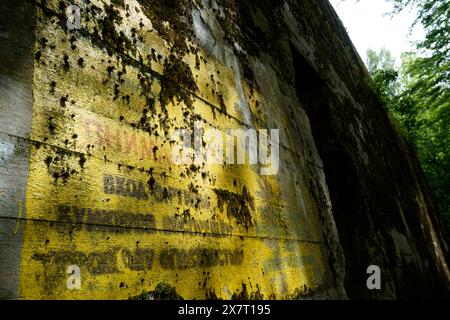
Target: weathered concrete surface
[(16, 76), (102, 191)]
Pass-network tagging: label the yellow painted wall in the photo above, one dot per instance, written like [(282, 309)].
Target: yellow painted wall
[(103, 192)]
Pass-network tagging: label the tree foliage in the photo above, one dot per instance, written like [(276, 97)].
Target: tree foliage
[(381, 66)]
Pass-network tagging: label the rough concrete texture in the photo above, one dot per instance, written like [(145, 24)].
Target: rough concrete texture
[(88, 177)]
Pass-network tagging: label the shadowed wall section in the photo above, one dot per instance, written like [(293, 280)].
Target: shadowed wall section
[(16, 76)]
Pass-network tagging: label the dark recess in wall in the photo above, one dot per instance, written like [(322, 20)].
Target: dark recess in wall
[(355, 198), (341, 179)]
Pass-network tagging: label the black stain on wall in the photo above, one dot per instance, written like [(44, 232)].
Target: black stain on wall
[(238, 206)]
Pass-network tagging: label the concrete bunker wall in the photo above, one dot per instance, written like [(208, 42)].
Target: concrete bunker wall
[(89, 175)]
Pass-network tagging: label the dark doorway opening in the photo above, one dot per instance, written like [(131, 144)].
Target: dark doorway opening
[(340, 173)]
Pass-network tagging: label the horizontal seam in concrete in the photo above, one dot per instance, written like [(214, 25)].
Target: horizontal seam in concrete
[(163, 230)]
